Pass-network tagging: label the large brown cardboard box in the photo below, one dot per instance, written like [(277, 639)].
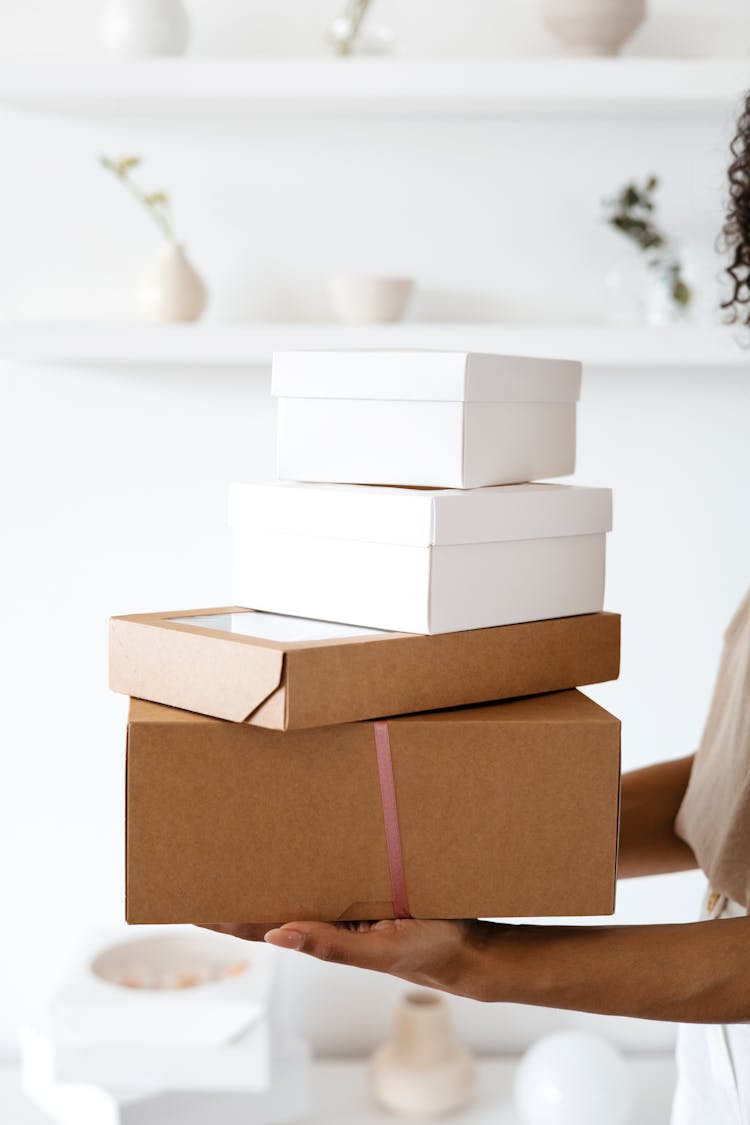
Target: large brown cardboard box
[(287, 673), (505, 809)]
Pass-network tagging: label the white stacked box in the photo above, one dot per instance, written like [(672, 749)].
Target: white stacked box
[(419, 560), (437, 419), (285, 1098), (464, 541), (166, 1026)]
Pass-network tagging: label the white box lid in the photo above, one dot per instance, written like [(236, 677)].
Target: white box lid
[(432, 376), (421, 517)]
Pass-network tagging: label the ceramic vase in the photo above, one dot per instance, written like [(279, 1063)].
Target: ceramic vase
[(145, 27), (422, 1072), (593, 27), (172, 290)]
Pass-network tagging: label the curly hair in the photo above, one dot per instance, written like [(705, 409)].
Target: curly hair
[(735, 238)]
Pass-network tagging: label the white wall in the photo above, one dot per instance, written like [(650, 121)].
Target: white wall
[(426, 28), (114, 481)]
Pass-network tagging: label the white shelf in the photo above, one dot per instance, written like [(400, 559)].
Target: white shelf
[(251, 345), (340, 1095), (465, 87)]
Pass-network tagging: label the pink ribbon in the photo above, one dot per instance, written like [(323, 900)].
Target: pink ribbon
[(390, 818)]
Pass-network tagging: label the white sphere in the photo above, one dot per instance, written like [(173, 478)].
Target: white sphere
[(573, 1078)]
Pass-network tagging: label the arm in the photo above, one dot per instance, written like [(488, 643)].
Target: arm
[(649, 803), (690, 973), (694, 973)]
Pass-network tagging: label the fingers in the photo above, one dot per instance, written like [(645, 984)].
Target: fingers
[(376, 947), (248, 931), (450, 955)]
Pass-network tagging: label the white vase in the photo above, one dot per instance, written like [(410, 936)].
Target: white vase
[(422, 1072), (145, 27), (172, 290), (593, 27)]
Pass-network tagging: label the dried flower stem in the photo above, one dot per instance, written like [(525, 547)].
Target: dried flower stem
[(156, 203), (351, 21)]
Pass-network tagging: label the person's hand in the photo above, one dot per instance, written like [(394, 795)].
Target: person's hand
[(452, 956)]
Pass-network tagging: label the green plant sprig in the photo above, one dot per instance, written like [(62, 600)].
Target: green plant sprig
[(632, 212), (155, 202)]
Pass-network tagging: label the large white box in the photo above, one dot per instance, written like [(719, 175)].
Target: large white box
[(287, 1098), (440, 419), (420, 560), (243, 1063)]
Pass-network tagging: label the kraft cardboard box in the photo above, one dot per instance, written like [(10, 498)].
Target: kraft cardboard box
[(442, 419), (419, 560), (288, 673), (503, 809)]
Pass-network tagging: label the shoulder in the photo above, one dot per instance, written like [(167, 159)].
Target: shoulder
[(740, 622)]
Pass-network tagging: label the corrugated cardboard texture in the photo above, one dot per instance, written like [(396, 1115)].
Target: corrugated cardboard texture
[(506, 809), (298, 685), (198, 670)]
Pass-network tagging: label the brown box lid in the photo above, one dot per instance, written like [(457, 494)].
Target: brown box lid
[(505, 809), (291, 685)]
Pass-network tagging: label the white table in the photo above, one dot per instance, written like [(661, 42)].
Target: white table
[(340, 1095)]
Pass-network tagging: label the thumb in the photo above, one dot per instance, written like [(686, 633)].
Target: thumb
[(375, 948)]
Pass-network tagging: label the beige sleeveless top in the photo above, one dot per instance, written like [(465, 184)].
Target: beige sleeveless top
[(714, 818)]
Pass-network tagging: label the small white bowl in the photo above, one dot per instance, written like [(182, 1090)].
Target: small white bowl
[(170, 962), (359, 299), (164, 988)]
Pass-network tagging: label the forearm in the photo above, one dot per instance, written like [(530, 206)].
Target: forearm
[(650, 800), (694, 973)]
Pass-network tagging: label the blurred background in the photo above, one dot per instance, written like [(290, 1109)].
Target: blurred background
[(459, 148)]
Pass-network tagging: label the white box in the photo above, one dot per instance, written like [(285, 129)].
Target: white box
[(241, 1064), (419, 560), (90, 1008), (286, 1099), (440, 419)]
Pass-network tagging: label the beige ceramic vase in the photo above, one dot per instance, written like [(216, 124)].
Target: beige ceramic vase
[(172, 290), (593, 27), (422, 1072)]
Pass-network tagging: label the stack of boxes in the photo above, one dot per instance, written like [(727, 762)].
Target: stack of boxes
[(385, 723)]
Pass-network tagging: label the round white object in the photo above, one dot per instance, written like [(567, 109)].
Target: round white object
[(359, 299), (376, 39), (175, 961), (172, 290), (145, 27), (573, 1078), (593, 27)]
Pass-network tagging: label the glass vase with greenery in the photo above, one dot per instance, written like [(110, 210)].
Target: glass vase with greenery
[(633, 213)]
